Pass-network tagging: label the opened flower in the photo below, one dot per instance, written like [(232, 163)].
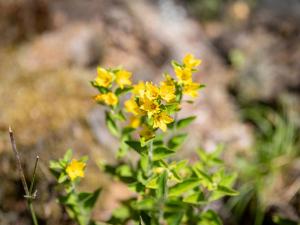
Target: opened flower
[(190, 61), (184, 74), (75, 169), (109, 98), (161, 120), (167, 89), (134, 121), (123, 78), (104, 77), (139, 89), (151, 107), (132, 107), (191, 89), (151, 91)]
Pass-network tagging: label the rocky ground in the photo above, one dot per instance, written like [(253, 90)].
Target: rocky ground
[(49, 55)]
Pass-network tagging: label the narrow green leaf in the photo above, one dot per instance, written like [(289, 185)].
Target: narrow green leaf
[(185, 122), (111, 125), (121, 91), (176, 141), (161, 153), (210, 218), (144, 204), (183, 187), (89, 199), (195, 198), (136, 145), (68, 155), (162, 185), (62, 178), (227, 190)]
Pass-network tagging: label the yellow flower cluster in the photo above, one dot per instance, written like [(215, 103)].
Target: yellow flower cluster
[(75, 169), (184, 74), (148, 99), (149, 102), (105, 79)]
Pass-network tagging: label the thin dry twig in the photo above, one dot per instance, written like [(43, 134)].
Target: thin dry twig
[(29, 194), (19, 164)]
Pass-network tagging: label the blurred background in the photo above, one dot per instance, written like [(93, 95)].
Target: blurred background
[(49, 50)]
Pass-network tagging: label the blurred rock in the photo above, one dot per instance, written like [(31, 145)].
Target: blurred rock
[(77, 44), (21, 19)]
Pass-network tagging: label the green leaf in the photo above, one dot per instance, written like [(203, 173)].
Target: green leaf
[(121, 91), (284, 221), (210, 218), (174, 218), (176, 141), (183, 187), (68, 155), (185, 122), (62, 178), (152, 183), (89, 199), (136, 145), (221, 192), (195, 198), (54, 165), (144, 204), (111, 125), (227, 190), (203, 176), (162, 185), (124, 171), (161, 153)]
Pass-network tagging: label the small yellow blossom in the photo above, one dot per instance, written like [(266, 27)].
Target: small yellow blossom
[(161, 120), (190, 61), (191, 89), (134, 121), (123, 78), (131, 106), (104, 77), (139, 89), (75, 169), (151, 107), (167, 89), (109, 98), (147, 133), (151, 91), (184, 75)]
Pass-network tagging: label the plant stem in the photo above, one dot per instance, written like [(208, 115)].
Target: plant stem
[(30, 205), (150, 157), (29, 196)]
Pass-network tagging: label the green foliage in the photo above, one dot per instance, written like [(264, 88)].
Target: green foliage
[(78, 205), (276, 148), (167, 190)]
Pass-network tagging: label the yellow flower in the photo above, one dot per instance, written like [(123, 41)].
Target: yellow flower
[(131, 106), (161, 120), (134, 121), (75, 169), (184, 75), (139, 89), (123, 78), (108, 98), (147, 133), (167, 89), (104, 77), (151, 91), (190, 61), (151, 107), (191, 89)]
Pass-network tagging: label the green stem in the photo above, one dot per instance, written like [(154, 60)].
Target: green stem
[(150, 157), (30, 205)]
